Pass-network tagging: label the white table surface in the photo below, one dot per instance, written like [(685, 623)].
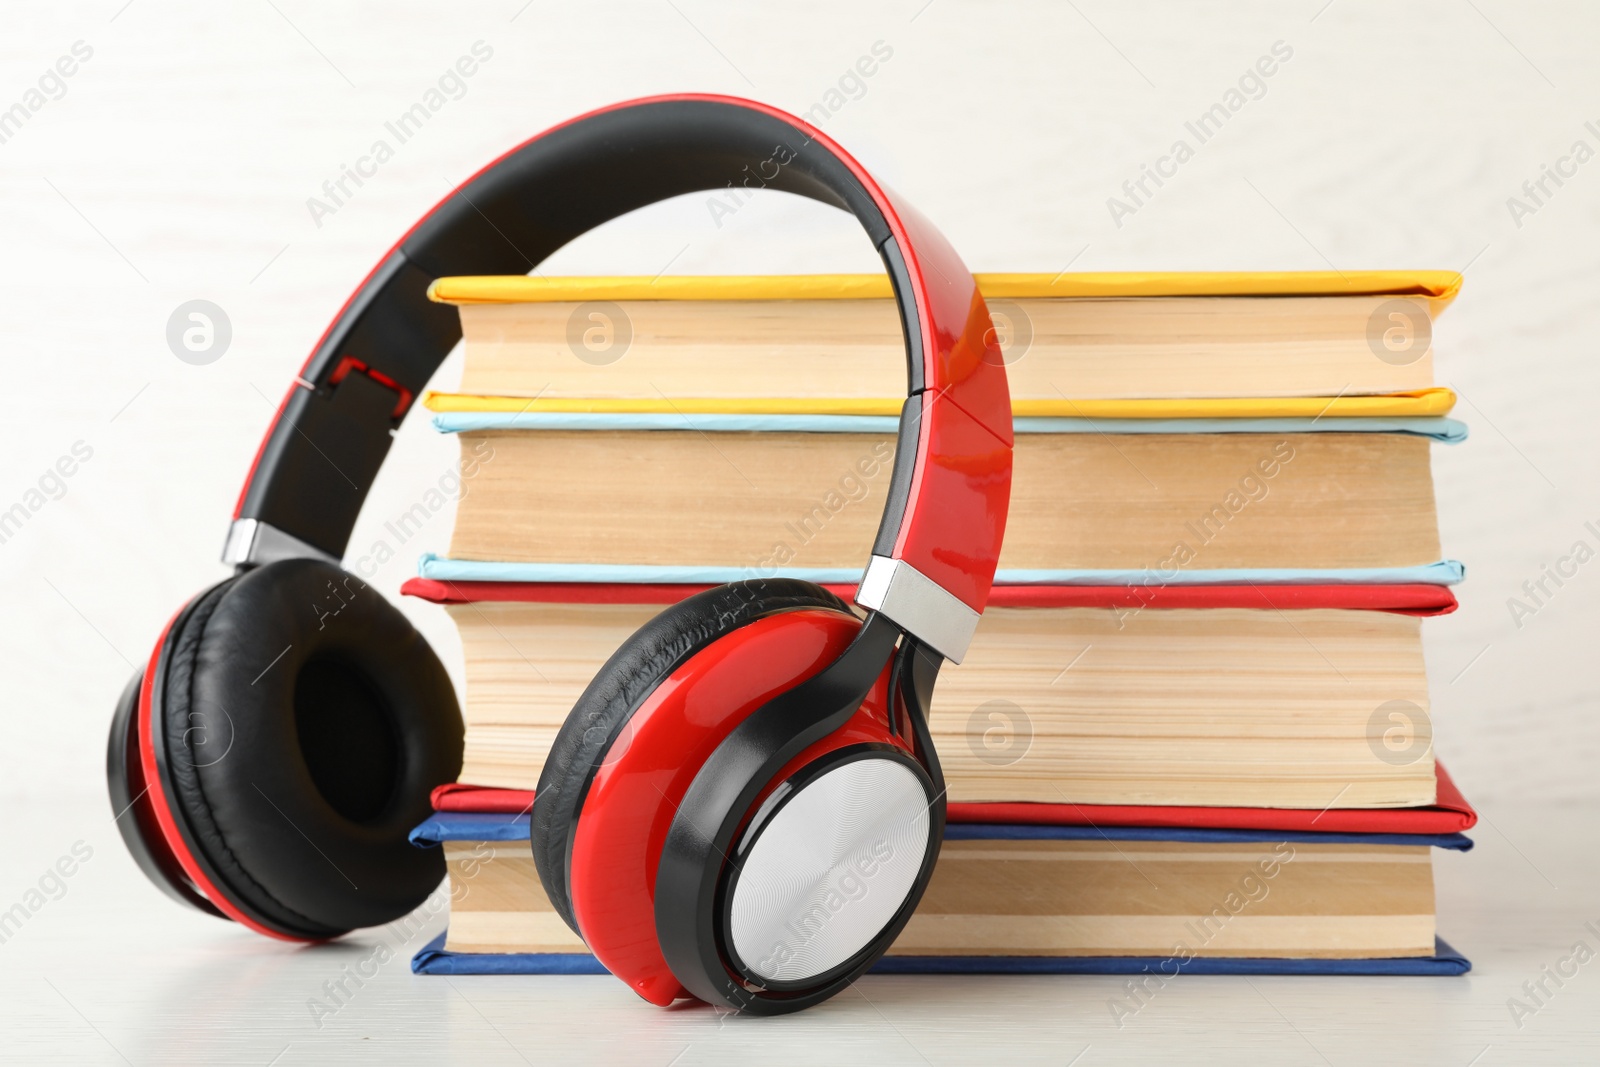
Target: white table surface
[(178, 163), (112, 973)]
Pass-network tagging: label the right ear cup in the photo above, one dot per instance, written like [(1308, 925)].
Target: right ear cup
[(601, 714), (291, 727)]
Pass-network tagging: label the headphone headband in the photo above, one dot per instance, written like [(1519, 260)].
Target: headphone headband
[(939, 541)]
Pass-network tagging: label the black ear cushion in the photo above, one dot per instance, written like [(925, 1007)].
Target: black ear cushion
[(654, 651), (132, 810), (304, 722)]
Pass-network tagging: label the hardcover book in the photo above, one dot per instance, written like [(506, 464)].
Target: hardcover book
[(1164, 335), (1015, 898), (1236, 696)]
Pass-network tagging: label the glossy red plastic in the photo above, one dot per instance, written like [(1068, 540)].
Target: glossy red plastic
[(963, 361), (955, 519), (631, 801)]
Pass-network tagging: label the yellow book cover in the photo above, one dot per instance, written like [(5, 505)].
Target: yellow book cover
[(1440, 285), (1233, 343), (1421, 402)]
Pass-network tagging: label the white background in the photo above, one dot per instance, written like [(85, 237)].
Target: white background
[(178, 165)]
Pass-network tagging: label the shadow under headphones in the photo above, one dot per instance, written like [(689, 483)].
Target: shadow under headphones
[(744, 805)]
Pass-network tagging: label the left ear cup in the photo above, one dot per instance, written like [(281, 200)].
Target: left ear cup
[(653, 652), (131, 805), (296, 723)]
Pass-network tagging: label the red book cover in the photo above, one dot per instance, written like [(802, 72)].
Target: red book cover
[(1449, 814), (1416, 599)]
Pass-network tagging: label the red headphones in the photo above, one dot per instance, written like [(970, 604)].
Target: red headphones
[(744, 805)]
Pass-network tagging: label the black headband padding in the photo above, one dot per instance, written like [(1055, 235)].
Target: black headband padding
[(321, 457), (574, 179)]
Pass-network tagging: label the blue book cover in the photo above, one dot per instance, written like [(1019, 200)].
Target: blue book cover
[(434, 958)]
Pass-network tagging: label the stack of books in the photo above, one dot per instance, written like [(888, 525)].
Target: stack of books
[(1193, 731)]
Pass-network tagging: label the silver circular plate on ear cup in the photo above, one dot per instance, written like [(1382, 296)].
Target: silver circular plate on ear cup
[(829, 870)]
